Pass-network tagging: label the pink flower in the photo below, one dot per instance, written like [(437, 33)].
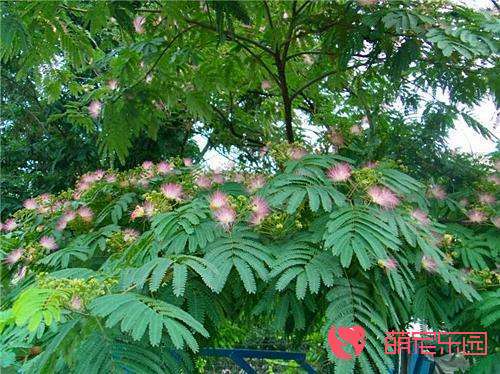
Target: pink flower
[(76, 303), (495, 179), (48, 242), (486, 198), (218, 200), (496, 221), (98, 174), (339, 173), (260, 209), (429, 264), (137, 212), (164, 167), (61, 224), (110, 178), (367, 2), (355, 130), (187, 161), (389, 264), (69, 215), (147, 165), (172, 191), (113, 84), (130, 235), (265, 85), (138, 23), (218, 178), (203, 181), (476, 216), (85, 213), (383, 197), (226, 216), (30, 204), (296, 153), (464, 202), (437, 192), (420, 216), (45, 198), (336, 138), (10, 224), (95, 107), (149, 208), (14, 256), (257, 182)]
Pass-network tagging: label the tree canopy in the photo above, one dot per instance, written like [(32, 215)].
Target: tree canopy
[(122, 252)]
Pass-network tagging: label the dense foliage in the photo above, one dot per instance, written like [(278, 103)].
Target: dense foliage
[(137, 270)]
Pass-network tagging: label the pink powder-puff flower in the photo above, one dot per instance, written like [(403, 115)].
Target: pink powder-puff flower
[(476, 216), (257, 182), (94, 108), (130, 235), (486, 198), (112, 84), (98, 174), (218, 200), (260, 210), (226, 216), (265, 85), (218, 178), (496, 221), (110, 178), (138, 23), (296, 153), (10, 225), (339, 173), (437, 192), (30, 204), (61, 224), (76, 303), (260, 206), (164, 167), (383, 197), (68, 216), (143, 182), (149, 208), (147, 165), (420, 216), (355, 130), (464, 202), (187, 161), (429, 264), (203, 181), (45, 198), (172, 191), (336, 138), (14, 256), (138, 212), (388, 264), (48, 242), (85, 213)]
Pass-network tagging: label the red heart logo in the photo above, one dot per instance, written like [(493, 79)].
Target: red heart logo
[(354, 335)]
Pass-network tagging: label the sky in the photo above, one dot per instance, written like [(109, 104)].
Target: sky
[(461, 138)]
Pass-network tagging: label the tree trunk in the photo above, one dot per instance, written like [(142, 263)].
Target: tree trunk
[(287, 102)]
